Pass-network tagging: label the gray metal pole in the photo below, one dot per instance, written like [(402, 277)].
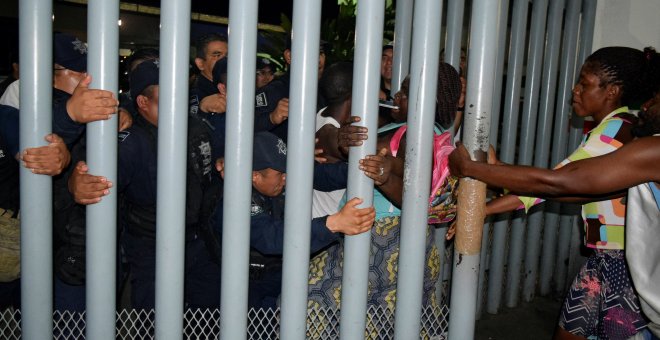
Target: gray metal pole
[(586, 42), (419, 163), (36, 90), (101, 218), (455, 14), (171, 183), (483, 260), (502, 29), (530, 110), (368, 34), (560, 141), (238, 169), (298, 210), (483, 43), (402, 41), (508, 149), (441, 244), (542, 152)]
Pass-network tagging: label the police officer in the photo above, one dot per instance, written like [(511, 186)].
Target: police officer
[(267, 220), (273, 99), (137, 187)]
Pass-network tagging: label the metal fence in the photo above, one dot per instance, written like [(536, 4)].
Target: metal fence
[(514, 245), (322, 324)]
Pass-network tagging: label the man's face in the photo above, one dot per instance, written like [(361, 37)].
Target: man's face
[(215, 51), (269, 182), (66, 80), (264, 76), (386, 64), (148, 105)]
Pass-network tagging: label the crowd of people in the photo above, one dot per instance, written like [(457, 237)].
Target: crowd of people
[(604, 300)]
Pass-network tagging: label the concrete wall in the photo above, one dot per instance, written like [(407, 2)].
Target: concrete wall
[(632, 23)]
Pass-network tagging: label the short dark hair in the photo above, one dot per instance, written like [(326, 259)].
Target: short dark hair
[(336, 83), (203, 42), (140, 55)]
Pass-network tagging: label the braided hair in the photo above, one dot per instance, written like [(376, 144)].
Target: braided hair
[(621, 66), (448, 93)]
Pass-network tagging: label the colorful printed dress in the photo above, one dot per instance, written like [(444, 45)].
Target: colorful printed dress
[(326, 271), (602, 302)]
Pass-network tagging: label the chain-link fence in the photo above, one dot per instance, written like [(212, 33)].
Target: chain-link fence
[(322, 324)]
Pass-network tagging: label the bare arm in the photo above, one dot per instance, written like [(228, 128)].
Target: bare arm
[(634, 163)]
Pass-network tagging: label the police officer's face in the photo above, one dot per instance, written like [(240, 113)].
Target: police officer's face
[(264, 76), (66, 80), (269, 182), (215, 51), (148, 104)]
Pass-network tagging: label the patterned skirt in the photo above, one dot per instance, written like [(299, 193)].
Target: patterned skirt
[(602, 303)]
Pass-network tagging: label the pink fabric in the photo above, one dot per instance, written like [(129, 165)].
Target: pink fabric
[(442, 147)]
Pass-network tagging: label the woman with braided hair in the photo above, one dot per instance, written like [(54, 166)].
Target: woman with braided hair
[(601, 302)]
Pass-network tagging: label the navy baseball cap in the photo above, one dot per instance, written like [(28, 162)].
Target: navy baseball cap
[(144, 75), (263, 63), (220, 72), (69, 52), (268, 152), (388, 46)]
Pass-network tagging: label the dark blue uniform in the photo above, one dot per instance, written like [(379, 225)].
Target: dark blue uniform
[(267, 235), (216, 121), (137, 184), (63, 125), (266, 100), (9, 195)]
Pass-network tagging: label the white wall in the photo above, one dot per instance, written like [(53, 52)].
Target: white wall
[(632, 23)]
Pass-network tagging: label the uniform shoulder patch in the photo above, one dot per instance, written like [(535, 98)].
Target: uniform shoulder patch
[(262, 100), (256, 209), (122, 135)]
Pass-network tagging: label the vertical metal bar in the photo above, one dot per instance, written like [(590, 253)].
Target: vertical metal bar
[(530, 109), (238, 168), (542, 153), (467, 249), (369, 33), (586, 42), (441, 244), (560, 141), (36, 46), (502, 28), (483, 260), (576, 133), (455, 14), (101, 218), (298, 211), (508, 149), (402, 41), (419, 163), (171, 183)]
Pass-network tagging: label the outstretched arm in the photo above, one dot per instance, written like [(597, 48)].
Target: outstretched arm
[(634, 163)]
